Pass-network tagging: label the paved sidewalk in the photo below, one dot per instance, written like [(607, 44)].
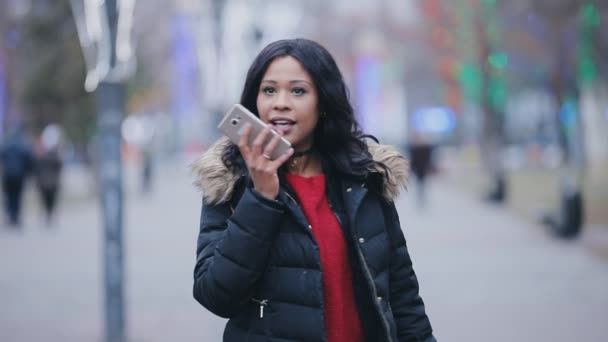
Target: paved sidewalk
[(488, 275), (485, 274), (51, 285)]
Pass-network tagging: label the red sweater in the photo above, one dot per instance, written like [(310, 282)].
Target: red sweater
[(342, 322)]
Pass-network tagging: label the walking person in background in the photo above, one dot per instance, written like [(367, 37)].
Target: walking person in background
[(307, 247), (48, 170), (48, 176), (421, 162), (16, 160), (147, 168)]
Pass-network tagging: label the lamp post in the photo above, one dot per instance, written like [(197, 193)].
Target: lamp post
[(110, 106), (103, 30)]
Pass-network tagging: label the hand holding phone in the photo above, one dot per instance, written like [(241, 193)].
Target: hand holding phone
[(235, 121), (263, 149)]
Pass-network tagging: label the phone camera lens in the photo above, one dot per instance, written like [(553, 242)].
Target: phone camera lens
[(234, 122)]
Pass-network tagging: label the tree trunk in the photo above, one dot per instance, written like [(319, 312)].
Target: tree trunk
[(492, 138), (568, 220)]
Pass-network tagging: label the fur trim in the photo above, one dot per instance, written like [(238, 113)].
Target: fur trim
[(213, 177), (217, 182), (398, 168)]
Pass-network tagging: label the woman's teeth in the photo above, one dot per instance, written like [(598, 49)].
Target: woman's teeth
[(282, 126)]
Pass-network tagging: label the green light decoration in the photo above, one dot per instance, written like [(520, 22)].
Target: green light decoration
[(470, 80), (590, 21), (497, 93), (591, 16), (587, 70), (498, 60)]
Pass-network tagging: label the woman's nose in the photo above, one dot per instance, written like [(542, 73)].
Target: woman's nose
[(281, 101)]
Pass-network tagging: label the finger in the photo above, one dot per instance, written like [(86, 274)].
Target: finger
[(272, 144), (256, 148), (283, 158), (243, 141)]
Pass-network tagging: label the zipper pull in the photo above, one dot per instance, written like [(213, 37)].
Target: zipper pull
[(289, 196), (263, 303)]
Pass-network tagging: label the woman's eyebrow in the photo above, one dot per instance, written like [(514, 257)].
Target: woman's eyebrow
[(299, 81), (291, 82)]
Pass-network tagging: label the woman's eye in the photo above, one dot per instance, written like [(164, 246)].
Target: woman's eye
[(268, 90), (298, 91)]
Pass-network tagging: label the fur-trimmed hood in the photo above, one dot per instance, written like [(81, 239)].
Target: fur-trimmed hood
[(217, 182)]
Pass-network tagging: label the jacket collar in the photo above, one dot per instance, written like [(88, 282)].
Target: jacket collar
[(217, 182)]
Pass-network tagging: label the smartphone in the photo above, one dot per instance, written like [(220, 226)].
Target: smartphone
[(233, 126)]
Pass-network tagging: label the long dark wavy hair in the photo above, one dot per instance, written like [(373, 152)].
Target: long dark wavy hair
[(338, 137)]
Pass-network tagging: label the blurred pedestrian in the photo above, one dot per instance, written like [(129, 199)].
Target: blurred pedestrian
[(48, 176), (147, 168), (16, 158), (48, 170), (306, 247), (421, 162)]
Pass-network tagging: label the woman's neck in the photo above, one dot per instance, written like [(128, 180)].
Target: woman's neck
[(306, 165)]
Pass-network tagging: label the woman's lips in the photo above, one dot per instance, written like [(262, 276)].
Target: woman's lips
[(284, 129)]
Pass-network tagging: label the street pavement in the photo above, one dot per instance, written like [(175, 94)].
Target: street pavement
[(485, 274)]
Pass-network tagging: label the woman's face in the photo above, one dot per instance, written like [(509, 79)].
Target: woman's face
[(287, 101)]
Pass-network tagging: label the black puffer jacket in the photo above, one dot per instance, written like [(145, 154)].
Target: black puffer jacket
[(259, 265)]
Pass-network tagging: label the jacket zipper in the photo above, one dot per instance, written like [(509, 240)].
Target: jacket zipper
[(263, 303), (320, 267), (296, 203), (331, 206), (288, 195), (368, 276), (369, 279)]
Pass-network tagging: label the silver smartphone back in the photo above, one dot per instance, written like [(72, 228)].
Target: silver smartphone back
[(233, 125)]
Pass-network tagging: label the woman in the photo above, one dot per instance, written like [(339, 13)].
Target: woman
[(307, 247), (48, 167)]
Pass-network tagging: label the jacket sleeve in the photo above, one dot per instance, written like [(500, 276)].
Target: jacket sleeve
[(232, 251), (407, 306)]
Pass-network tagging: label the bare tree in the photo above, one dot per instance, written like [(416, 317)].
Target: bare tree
[(487, 31), (560, 16), (48, 72)]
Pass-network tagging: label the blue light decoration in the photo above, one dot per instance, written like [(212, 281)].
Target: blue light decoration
[(3, 98), (568, 113), (434, 120), (185, 84), (367, 87)]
